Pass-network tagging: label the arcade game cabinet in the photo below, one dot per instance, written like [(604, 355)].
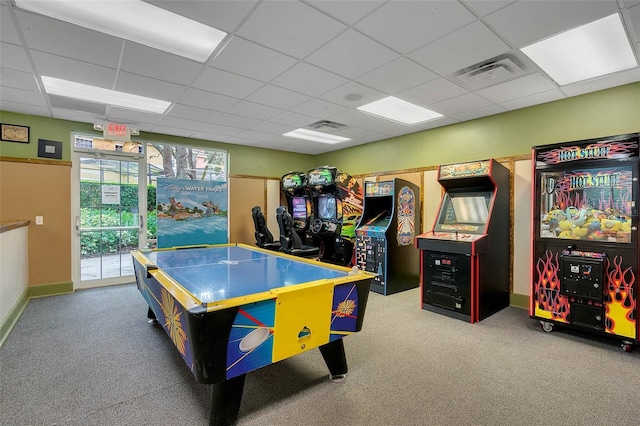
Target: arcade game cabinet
[(385, 235), (585, 236), (336, 200), (465, 259), (293, 185)]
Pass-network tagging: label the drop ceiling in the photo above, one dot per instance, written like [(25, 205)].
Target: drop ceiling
[(291, 64)]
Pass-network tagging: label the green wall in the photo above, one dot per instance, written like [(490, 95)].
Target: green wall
[(244, 160), (605, 113)]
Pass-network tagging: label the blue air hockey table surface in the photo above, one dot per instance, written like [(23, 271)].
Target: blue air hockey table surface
[(230, 309)]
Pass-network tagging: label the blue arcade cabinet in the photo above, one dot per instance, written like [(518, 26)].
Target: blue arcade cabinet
[(385, 235)]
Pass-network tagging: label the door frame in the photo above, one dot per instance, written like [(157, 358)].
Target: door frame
[(76, 154)]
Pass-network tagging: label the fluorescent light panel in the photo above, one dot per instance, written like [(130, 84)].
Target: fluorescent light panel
[(70, 89), (136, 21), (311, 135), (396, 109), (592, 50)]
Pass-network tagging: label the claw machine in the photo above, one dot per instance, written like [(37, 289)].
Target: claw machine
[(585, 236)]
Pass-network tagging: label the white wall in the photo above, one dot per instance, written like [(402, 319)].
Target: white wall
[(13, 268)]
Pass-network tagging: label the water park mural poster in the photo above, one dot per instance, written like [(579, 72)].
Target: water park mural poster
[(191, 212)]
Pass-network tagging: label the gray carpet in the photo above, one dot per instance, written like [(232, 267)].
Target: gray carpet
[(90, 358)]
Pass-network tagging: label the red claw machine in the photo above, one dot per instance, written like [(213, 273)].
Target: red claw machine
[(465, 259), (585, 236)]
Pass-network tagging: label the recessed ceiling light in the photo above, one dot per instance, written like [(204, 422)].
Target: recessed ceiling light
[(136, 21), (70, 89), (316, 136), (592, 50), (396, 109)]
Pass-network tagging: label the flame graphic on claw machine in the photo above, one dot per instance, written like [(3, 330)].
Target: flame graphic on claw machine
[(549, 303), (620, 300)]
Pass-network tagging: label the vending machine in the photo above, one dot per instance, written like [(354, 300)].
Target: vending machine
[(465, 259), (585, 236), (385, 235)]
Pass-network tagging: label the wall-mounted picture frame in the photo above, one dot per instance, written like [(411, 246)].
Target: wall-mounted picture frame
[(14, 133)]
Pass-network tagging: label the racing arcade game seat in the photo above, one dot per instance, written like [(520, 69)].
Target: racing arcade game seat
[(290, 241), (264, 237)]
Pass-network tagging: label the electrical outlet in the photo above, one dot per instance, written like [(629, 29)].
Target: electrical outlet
[(39, 220)]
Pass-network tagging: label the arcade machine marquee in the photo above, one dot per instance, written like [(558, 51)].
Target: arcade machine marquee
[(585, 246), (465, 259)]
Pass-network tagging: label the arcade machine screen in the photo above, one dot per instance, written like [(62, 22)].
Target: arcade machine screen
[(464, 212), (299, 205), (327, 208)]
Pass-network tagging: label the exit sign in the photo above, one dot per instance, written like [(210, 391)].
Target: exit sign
[(116, 132)]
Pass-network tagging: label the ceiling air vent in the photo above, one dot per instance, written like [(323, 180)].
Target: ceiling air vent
[(325, 125), (490, 72)]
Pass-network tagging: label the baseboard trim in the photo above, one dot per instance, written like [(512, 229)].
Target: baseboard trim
[(50, 289), (14, 314), (519, 300)]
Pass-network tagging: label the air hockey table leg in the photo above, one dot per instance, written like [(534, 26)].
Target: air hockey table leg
[(225, 401), (335, 358)]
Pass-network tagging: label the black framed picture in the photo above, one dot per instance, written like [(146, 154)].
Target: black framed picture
[(14, 133), (49, 149)]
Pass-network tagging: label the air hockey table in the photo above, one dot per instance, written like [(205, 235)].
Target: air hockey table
[(233, 308)]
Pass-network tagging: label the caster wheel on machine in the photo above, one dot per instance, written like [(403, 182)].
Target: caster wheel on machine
[(627, 347), (546, 326)]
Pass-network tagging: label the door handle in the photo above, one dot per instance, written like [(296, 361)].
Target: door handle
[(78, 223), (141, 223)]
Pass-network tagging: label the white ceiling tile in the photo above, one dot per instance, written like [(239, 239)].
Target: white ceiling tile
[(8, 32), (388, 127), (298, 78), (352, 117), (361, 134), (454, 52), (14, 57), (223, 15), (431, 92), (272, 128), (351, 54), (254, 110), (523, 86), (318, 108), (72, 70), (207, 100), (348, 12), (18, 80), (612, 80), (122, 115), (277, 97), (452, 106), (61, 38), (234, 121), (145, 86), (258, 136), (240, 57), (340, 94), (525, 22), (165, 130), (23, 96), (181, 123), (8, 105), (293, 119), (81, 116), (440, 122), (407, 25), (485, 7), (290, 27), (149, 62), (535, 99), (480, 112), (397, 76), (634, 15), (220, 129), (192, 113), (226, 83)]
